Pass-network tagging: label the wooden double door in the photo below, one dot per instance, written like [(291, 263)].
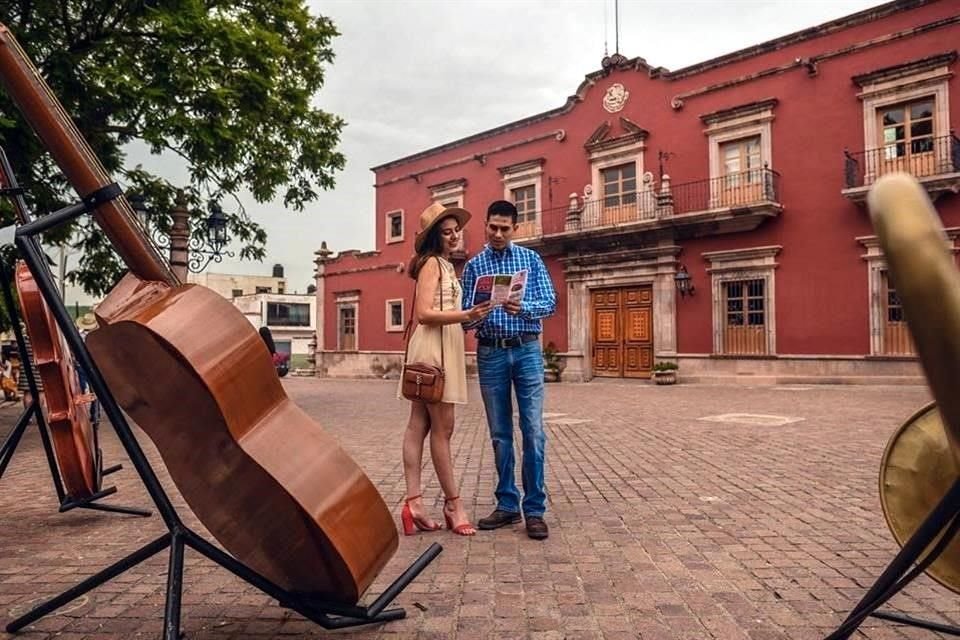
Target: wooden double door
[(622, 332)]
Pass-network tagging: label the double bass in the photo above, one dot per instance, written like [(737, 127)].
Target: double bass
[(268, 482), (74, 438)]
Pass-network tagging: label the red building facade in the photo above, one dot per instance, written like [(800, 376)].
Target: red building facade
[(712, 216)]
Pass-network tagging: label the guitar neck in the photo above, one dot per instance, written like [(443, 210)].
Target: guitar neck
[(73, 155)]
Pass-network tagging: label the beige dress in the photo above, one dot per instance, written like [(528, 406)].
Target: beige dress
[(425, 340)]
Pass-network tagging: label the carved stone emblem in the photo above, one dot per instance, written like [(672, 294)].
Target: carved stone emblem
[(615, 98)]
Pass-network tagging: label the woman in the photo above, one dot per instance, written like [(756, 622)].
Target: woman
[(437, 340)]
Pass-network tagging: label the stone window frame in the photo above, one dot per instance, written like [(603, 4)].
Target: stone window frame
[(876, 266), (449, 193), (392, 328), (754, 263), (905, 83), (738, 123), (344, 300), (525, 174), (389, 216), (613, 157)]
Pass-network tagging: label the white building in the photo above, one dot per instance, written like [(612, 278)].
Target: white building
[(290, 317)]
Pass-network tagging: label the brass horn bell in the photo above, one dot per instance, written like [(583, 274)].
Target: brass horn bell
[(921, 459)]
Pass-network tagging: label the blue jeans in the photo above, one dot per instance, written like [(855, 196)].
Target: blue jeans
[(522, 369)]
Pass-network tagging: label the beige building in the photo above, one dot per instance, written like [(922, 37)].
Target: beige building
[(233, 285)]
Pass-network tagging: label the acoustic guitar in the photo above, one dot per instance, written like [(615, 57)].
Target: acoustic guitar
[(270, 484), (74, 438)]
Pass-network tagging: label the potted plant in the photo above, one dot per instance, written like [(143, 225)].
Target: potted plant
[(552, 364), (665, 372)]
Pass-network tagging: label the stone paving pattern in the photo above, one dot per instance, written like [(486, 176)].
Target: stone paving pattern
[(663, 525)]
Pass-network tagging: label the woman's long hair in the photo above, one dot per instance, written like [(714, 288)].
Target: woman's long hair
[(432, 246), (268, 340)]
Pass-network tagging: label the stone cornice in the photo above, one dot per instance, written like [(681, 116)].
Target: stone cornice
[(906, 69), (458, 183), (357, 256), (614, 257), (559, 135), (730, 113), (521, 167), (598, 140), (753, 253)]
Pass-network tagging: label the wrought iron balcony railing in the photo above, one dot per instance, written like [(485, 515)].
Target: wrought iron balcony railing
[(922, 158), (733, 191)]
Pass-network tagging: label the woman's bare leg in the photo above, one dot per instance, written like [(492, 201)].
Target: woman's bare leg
[(416, 432), (441, 422)]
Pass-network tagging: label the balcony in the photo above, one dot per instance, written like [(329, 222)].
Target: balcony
[(935, 162), (735, 202)]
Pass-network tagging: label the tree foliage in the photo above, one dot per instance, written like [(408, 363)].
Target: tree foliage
[(224, 85)]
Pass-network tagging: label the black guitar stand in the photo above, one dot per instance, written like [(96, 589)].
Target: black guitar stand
[(328, 615), (943, 523), (9, 445)]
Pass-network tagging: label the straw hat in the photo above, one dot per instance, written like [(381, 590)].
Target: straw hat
[(87, 322), (434, 214)]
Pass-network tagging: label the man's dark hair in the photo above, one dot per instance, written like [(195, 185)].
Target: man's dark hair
[(502, 208)]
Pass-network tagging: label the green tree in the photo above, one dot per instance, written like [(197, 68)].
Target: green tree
[(225, 85)]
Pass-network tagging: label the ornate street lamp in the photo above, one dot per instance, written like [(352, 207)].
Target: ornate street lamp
[(684, 282), (201, 250), (138, 202)]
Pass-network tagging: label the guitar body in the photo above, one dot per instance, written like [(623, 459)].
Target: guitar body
[(274, 488), (74, 438)]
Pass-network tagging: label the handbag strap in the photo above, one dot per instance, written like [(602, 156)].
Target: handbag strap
[(413, 308)]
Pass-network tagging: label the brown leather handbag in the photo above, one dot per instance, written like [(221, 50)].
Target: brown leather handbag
[(422, 382)]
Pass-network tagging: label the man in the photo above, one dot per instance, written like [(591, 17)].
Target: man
[(509, 358)]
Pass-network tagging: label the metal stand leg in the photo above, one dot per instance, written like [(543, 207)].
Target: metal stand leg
[(898, 574), (327, 615), (13, 439), (92, 582)]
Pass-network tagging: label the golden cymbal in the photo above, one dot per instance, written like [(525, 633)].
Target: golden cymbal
[(916, 471)]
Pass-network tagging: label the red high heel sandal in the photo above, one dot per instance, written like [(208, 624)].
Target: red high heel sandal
[(411, 524), (465, 529)]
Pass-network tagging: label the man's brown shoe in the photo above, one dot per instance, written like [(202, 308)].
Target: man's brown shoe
[(499, 519), (537, 528)]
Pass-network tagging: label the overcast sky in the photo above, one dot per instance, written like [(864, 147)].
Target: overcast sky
[(413, 74)]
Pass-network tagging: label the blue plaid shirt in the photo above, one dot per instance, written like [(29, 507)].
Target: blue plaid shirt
[(539, 299)]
